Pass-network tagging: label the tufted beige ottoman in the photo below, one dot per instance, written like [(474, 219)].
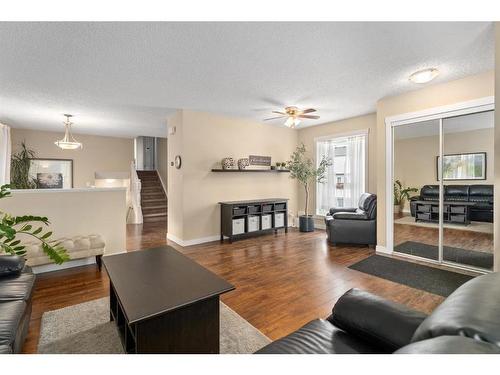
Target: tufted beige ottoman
[(78, 247)]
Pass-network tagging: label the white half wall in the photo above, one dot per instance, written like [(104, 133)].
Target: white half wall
[(76, 212)]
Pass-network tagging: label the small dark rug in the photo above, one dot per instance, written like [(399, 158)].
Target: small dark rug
[(432, 280), (452, 254)]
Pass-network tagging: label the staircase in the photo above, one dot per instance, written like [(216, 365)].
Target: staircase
[(153, 198)]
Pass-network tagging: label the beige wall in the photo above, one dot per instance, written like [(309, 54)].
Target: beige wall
[(469, 88), (308, 135), (162, 158), (415, 158), (175, 180), (76, 212), (496, 233), (203, 139), (104, 154)]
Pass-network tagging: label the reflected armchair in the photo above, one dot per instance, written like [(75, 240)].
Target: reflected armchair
[(354, 225)]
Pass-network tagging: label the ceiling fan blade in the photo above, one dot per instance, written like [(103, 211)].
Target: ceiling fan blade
[(273, 118), (309, 110), (309, 116), (281, 113)]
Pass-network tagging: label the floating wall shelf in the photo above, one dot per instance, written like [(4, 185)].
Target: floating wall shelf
[(252, 170)]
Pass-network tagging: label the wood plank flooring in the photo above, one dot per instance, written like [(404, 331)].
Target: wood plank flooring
[(282, 281)]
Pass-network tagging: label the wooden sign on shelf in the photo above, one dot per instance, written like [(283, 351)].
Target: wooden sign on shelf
[(261, 161)]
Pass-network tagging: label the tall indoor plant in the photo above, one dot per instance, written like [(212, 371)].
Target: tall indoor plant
[(12, 226), (19, 169), (401, 194), (302, 169)]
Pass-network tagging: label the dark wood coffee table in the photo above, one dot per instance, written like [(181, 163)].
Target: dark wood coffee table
[(164, 302)]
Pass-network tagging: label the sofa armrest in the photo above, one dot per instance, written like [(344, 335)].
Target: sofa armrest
[(375, 319), (349, 216), (11, 264), (347, 209)]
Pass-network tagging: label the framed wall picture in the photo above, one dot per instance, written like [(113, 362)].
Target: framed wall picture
[(52, 173), (467, 166)]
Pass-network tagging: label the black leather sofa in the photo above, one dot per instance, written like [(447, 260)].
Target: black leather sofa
[(357, 225), (16, 289), (482, 195), (467, 322)]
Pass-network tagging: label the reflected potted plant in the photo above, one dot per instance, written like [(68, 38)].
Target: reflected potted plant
[(302, 169), (401, 194)]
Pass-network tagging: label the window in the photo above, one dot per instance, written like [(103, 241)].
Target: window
[(346, 177)]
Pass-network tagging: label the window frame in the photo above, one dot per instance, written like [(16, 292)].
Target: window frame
[(361, 132)]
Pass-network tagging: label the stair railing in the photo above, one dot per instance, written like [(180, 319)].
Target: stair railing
[(135, 195)]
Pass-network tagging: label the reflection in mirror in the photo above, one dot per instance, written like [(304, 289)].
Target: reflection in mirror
[(468, 143), (416, 193)]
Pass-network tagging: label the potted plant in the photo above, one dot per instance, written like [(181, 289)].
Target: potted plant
[(20, 166), (303, 170), (401, 194), (12, 226)]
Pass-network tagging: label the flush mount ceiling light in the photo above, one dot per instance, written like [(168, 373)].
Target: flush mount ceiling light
[(424, 76), (68, 142)]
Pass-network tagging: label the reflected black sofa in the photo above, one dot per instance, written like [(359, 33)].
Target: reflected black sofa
[(357, 225), (467, 322), (482, 195), (16, 289)]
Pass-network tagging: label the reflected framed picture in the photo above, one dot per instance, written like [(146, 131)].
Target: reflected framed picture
[(52, 173), (467, 166)]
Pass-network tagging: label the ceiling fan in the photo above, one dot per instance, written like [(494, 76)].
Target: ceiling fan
[(293, 115)]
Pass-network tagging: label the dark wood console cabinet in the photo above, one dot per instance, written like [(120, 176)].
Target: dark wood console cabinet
[(454, 212), (240, 219)]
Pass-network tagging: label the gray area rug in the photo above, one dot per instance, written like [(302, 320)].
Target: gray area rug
[(418, 276), (452, 254), (85, 329)]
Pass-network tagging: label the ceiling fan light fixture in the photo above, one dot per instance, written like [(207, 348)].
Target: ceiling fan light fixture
[(292, 122), (68, 142), (424, 76)]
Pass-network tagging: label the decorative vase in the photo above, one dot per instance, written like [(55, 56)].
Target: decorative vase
[(227, 163), (243, 163), (397, 208), (306, 223)]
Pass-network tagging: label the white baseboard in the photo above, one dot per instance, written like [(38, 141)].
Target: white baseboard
[(69, 264), (197, 241), (192, 242), (382, 250)]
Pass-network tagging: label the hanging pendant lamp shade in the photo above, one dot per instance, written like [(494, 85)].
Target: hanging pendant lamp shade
[(68, 142)]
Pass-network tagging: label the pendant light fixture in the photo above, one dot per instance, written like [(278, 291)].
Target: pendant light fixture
[(68, 142)]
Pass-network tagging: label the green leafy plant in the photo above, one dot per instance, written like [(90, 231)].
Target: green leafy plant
[(19, 169), (302, 169), (402, 193), (12, 226)]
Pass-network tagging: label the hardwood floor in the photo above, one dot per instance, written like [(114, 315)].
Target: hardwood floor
[(282, 281)]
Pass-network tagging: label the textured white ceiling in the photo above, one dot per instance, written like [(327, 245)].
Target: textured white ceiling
[(124, 79)]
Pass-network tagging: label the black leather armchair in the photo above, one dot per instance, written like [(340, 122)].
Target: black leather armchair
[(467, 322), (16, 290), (354, 225)]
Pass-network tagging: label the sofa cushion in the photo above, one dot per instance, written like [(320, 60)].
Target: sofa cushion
[(11, 314), (386, 324), (458, 193), (472, 311), (449, 345), (350, 216), (11, 264), (429, 192), (5, 349), (17, 287), (318, 337), (481, 193)]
